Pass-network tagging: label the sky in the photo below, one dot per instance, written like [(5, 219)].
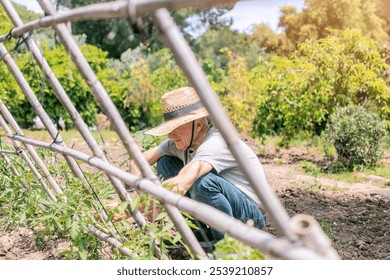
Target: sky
[(245, 13), (250, 12)]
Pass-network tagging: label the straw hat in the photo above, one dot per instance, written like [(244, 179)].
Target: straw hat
[(179, 107)]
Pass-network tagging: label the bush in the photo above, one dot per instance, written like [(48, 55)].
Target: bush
[(298, 94), (358, 136)]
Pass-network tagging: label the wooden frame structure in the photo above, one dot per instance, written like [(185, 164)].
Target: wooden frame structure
[(302, 237)]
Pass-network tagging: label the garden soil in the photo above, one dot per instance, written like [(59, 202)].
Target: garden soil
[(356, 216)]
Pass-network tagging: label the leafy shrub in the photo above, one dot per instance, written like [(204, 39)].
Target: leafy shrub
[(357, 135), (297, 94)]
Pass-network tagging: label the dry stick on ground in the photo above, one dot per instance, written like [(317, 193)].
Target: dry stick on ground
[(71, 109), (266, 242), (120, 127), (7, 115)]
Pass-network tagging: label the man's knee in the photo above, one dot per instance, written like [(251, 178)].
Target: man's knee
[(205, 185)]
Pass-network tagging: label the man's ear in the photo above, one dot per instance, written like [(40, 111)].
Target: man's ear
[(198, 124)]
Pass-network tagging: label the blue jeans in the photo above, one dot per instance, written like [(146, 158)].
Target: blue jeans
[(215, 191)]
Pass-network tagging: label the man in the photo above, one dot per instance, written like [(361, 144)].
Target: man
[(196, 161)]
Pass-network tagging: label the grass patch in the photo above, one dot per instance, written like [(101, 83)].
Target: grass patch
[(74, 136), (325, 225), (382, 171), (345, 175), (310, 168), (318, 186), (350, 177)]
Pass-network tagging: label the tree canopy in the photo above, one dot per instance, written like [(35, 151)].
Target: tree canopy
[(319, 16), (317, 20), (118, 35)]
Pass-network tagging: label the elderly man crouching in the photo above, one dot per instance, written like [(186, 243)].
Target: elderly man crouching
[(196, 161)]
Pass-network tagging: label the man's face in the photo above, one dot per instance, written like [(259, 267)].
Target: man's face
[(181, 136)]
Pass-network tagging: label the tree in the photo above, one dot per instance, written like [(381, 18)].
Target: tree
[(118, 35), (319, 16), (25, 14), (210, 44), (271, 42)]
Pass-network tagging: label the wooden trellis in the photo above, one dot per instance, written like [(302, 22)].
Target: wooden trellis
[(302, 237)]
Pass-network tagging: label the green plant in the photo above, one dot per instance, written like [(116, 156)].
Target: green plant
[(325, 225), (67, 220), (310, 168), (148, 141), (231, 249), (357, 135)]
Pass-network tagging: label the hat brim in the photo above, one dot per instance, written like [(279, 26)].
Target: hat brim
[(168, 126)]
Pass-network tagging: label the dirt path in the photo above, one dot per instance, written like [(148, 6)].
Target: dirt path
[(355, 216)]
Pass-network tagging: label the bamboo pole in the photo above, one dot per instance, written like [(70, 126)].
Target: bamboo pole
[(110, 240), (187, 61), (120, 127), (116, 9), (312, 236), (71, 109), (8, 152), (41, 113), (13, 169), (281, 248), (7, 116)]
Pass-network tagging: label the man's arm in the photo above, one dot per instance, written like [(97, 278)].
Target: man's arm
[(152, 156), (188, 176)]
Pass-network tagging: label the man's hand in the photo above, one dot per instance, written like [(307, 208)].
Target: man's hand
[(176, 185)]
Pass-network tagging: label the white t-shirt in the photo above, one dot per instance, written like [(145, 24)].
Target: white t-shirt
[(214, 150)]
